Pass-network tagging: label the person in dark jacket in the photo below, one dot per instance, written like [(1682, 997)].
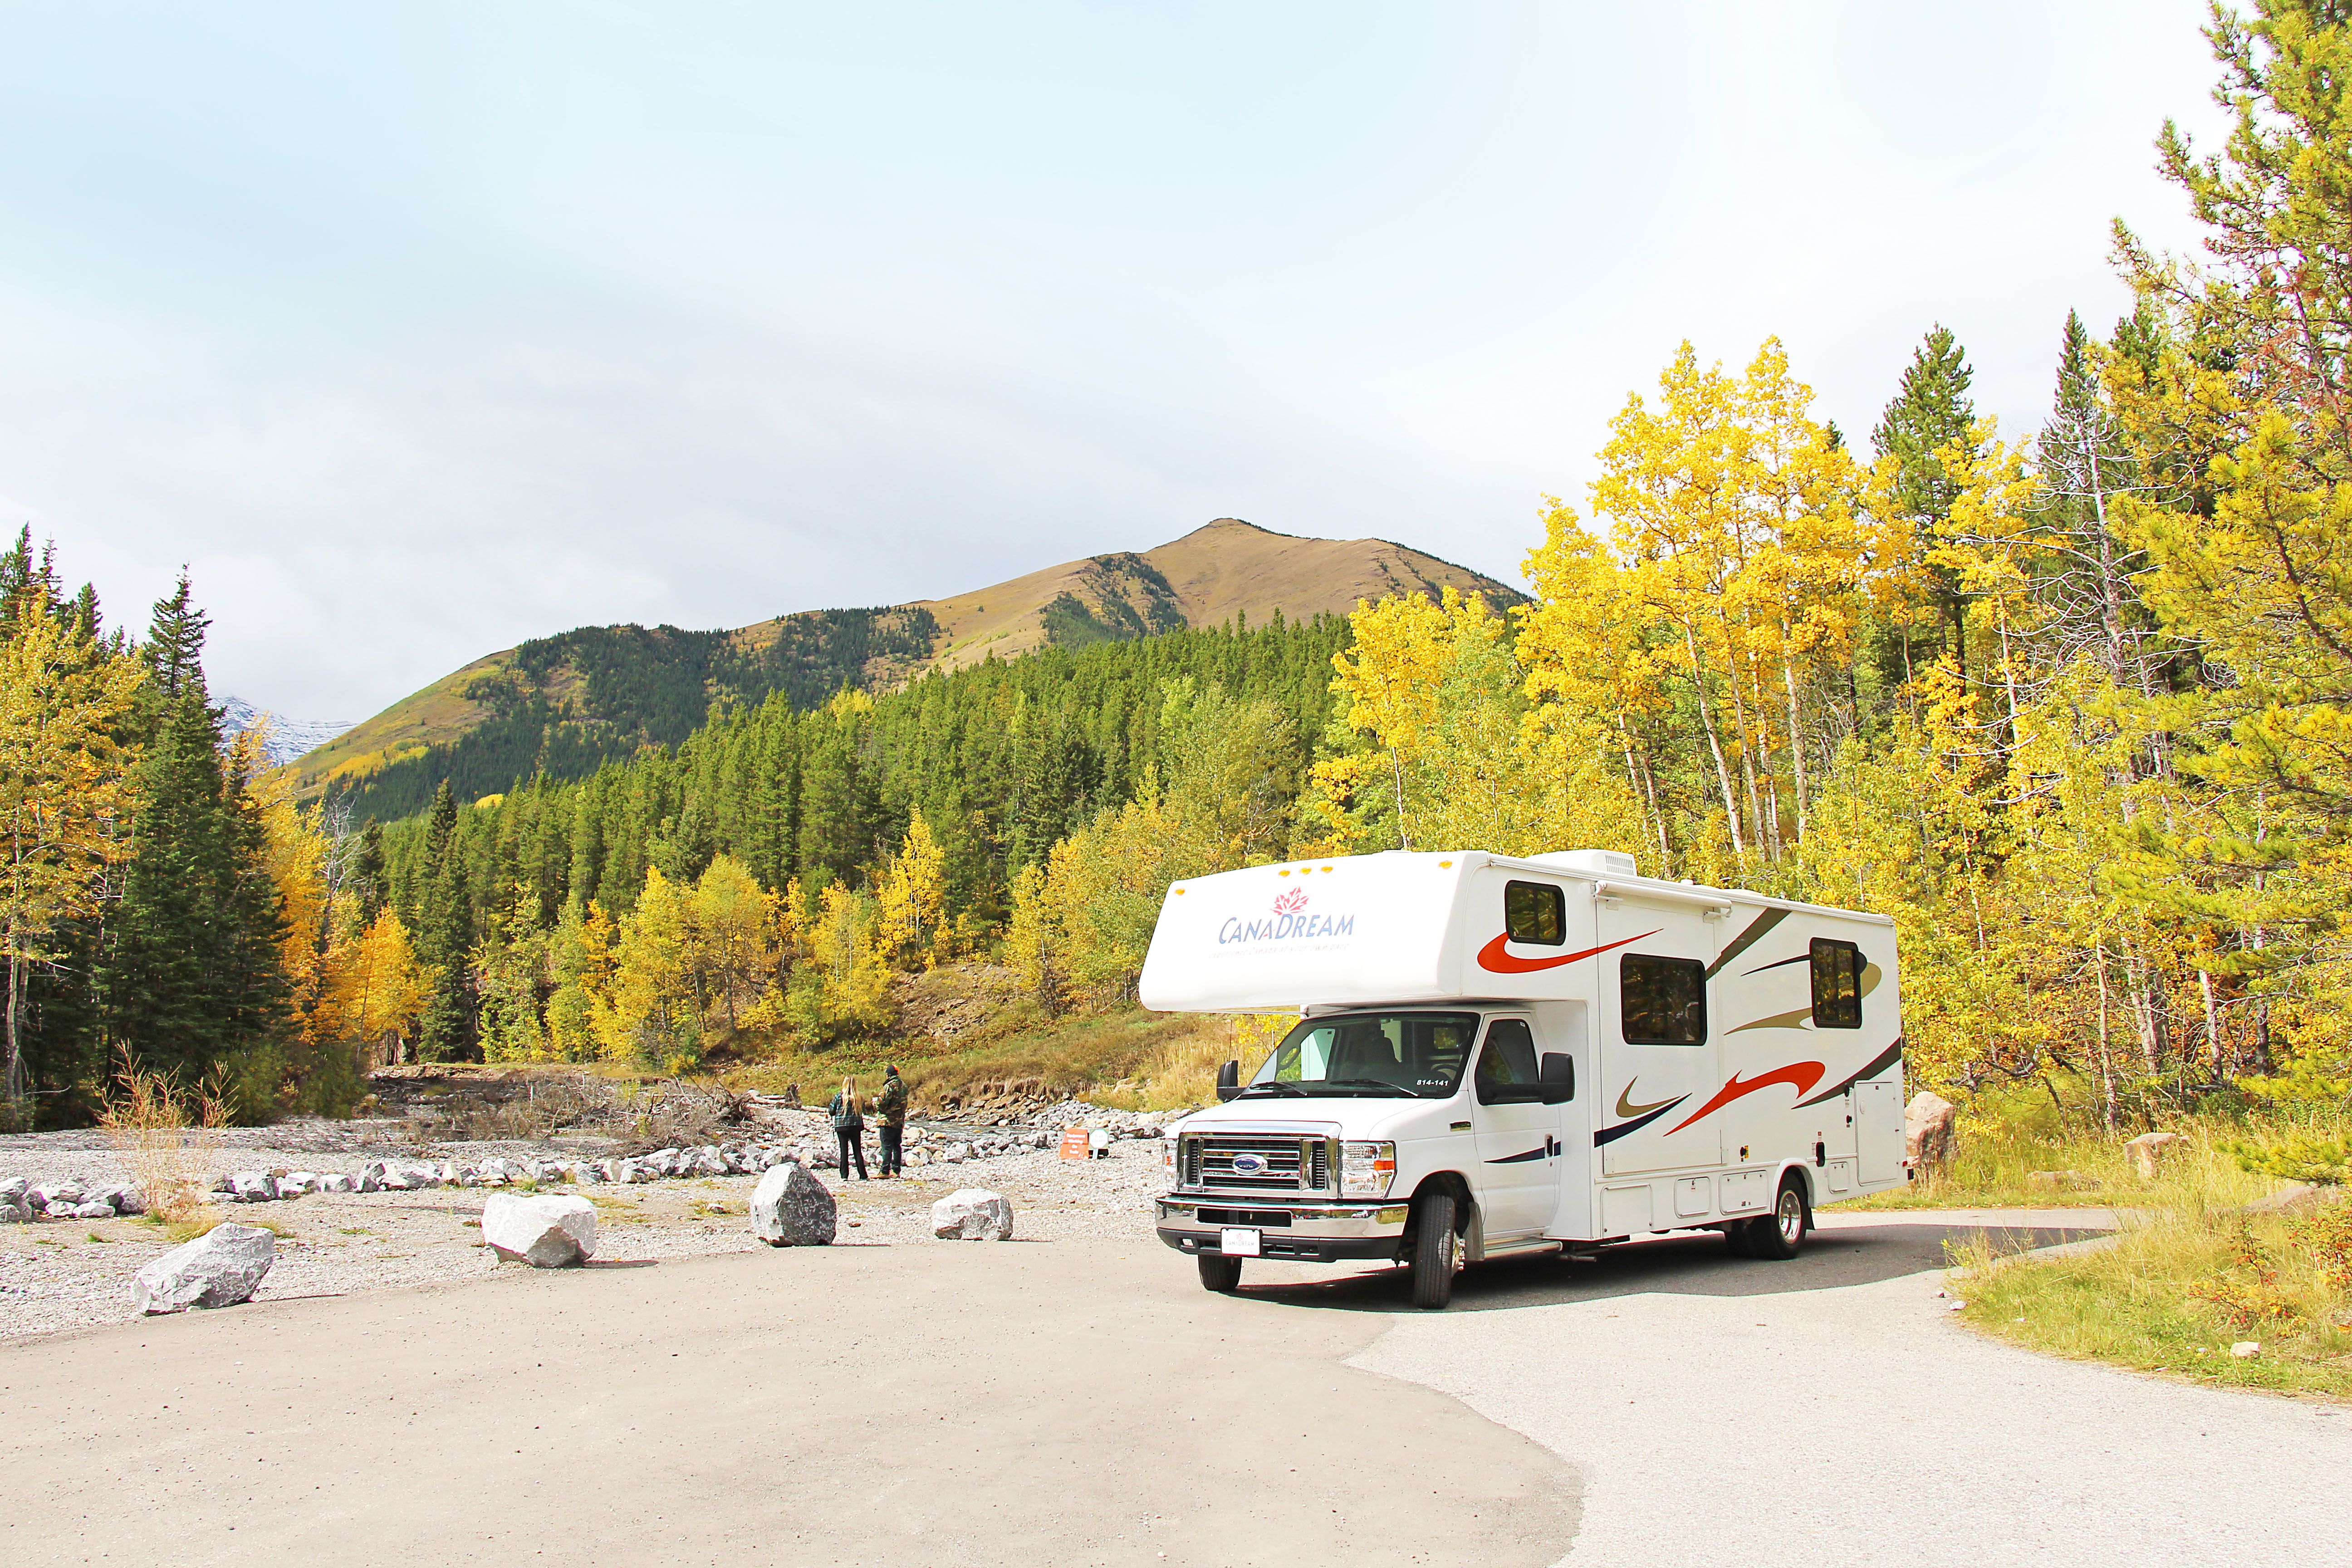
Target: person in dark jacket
[(892, 1104), (849, 1126)]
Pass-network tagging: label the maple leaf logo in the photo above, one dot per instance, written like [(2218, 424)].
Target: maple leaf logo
[(1291, 902)]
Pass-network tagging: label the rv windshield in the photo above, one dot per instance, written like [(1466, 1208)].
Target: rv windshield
[(1416, 1055)]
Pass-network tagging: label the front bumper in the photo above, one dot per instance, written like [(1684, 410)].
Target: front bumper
[(1300, 1233)]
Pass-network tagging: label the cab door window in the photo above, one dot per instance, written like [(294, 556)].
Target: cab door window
[(1507, 1067)]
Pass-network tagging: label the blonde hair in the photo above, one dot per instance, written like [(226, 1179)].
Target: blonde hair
[(849, 1094)]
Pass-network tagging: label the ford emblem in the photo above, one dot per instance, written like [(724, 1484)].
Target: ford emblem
[(1249, 1164)]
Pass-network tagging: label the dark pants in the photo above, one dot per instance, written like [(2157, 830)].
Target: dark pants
[(894, 1158), (852, 1147)]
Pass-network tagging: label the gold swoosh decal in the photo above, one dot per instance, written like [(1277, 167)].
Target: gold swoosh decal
[(1799, 1017), (1625, 1106)]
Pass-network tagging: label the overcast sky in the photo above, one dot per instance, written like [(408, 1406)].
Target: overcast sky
[(415, 330)]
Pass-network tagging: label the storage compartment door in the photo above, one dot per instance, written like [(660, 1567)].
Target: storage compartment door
[(1878, 1130)]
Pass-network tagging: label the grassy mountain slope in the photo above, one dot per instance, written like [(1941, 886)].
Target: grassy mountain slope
[(564, 704)]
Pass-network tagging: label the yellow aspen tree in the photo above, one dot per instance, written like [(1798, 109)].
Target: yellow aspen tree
[(384, 985), (912, 891), (733, 920), (1388, 682), (64, 791)]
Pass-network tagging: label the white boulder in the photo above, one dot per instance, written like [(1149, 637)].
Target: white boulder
[(790, 1208), (294, 1183), (219, 1269), (956, 1154), (544, 1232), (253, 1186), (974, 1214), (92, 1211), (338, 1183)]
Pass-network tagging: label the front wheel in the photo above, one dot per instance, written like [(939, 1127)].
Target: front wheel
[(1432, 1251), (1781, 1234), (1220, 1273)]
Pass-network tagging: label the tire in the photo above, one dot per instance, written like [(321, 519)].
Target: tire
[(1220, 1273), (1780, 1235), (1433, 1253)]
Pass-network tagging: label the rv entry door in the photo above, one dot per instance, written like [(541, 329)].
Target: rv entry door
[(1657, 1046)]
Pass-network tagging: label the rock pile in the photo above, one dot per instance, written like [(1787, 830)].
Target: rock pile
[(21, 1200), (219, 1269)]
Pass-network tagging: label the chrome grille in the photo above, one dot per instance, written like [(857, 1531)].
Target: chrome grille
[(1292, 1164)]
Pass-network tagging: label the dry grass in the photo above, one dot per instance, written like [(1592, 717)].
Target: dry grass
[(1995, 1167), (169, 1137), (2176, 1289)]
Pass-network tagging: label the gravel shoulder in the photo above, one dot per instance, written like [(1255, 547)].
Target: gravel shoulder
[(61, 1276)]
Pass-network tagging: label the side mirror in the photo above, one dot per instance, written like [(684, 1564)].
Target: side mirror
[(1556, 1077), (1229, 1081)]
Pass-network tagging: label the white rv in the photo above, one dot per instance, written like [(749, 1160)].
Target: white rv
[(1497, 1054)]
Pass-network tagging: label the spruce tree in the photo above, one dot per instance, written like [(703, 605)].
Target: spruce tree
[(175, 642), (446, 937), (189, 976), (1931, 411)]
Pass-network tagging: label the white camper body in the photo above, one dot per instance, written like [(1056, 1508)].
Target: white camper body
[(1532, 1052)]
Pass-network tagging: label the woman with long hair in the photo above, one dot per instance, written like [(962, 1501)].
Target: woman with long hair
[(849, 1126)]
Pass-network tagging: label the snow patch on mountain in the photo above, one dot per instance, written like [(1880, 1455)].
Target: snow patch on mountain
[(289, 738)]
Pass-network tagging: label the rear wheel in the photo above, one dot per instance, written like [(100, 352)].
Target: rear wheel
[(1433, 1245), (1781, 1234), (1220, 1273)]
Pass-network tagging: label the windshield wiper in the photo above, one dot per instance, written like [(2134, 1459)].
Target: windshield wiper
[(1382, 1084), (1272, 1086)]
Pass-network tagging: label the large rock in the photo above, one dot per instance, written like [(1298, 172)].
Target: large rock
[(544, 1232), (2149, 1151), (790, 1208), (219, 1269), (1930, 1133), (975, 1214)]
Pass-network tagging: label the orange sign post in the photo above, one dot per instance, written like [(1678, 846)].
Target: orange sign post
[(1073, 1144)]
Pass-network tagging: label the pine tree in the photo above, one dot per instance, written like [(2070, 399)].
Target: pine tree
[(175, 643)]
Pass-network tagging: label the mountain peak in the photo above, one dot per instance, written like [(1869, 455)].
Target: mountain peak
[(598, 691)]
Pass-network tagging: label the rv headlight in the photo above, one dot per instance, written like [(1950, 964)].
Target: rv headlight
[(1366, 1170), (1168, 1159)]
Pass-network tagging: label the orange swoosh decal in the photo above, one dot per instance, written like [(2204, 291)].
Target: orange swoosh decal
[(1803, 1074), (1493, 957)]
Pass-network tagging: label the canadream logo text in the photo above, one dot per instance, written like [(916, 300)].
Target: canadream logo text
[(1290, 922)]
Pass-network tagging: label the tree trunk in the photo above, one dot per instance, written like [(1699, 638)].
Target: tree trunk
[(1796, 735), (1714, 745)]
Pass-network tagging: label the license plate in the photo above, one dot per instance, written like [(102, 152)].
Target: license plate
[(1239, 1243)]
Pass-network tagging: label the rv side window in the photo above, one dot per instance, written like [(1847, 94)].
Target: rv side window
[(1837, 984), (1507, 1067), (1536, 913), (1662, 1001)]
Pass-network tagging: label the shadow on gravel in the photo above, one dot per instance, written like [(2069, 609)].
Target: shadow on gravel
[(1695, 1264)]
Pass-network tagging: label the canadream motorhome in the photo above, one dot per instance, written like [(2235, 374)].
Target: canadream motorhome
[(1496, 1055)]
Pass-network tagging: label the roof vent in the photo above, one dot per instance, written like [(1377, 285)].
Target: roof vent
[(1593, 862)]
